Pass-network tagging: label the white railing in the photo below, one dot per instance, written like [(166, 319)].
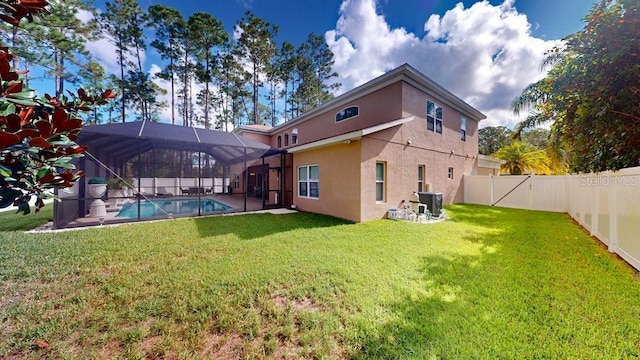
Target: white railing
[(607, 204), (174, 186)]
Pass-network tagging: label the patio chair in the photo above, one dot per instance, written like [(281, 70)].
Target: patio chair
[(162, 191)]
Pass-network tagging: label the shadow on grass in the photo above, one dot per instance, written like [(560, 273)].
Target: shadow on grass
[(429, 321), (462, 306), (253, 226)]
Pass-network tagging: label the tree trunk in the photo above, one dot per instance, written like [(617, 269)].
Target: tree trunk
[(206, 97), (173, 92), (186, 88), (14, 41), (255, 93), (124, 95)]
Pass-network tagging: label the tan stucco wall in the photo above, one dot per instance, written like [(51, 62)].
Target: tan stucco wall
[(487, 171), (347, 171), (402, 159), (263, 138), (378, 107), (339, 180)]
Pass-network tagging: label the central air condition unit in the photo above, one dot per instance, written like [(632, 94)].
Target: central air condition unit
[(433, 201)]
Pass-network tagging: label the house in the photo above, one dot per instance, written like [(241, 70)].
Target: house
[(488, 165), (365, 151)]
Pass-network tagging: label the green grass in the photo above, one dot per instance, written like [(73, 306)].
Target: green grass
[(489, 283), (12, 221)]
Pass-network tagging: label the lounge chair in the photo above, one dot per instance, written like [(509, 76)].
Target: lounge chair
[(163, 192)]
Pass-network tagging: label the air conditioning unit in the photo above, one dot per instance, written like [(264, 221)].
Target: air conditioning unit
[(433, 201)]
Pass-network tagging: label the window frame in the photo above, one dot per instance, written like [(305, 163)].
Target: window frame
[(357, 113), (450, 173), (421, 171), (383, 181), (437, 123), (308, 181), (294, 136), (279, 142), (286, 139), (463, 129)]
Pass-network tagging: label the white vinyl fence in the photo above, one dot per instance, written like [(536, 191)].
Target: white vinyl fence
[(607, 204)]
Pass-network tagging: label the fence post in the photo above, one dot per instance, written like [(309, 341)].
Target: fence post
[(595, 212), (491, 184), (531, 188), (613, 216)]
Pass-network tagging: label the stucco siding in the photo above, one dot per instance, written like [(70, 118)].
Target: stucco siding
[(376, 108), (402, 160), (263, 138), (339, 168)]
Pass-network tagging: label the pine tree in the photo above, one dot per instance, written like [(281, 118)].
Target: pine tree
[(256, 46), (208, 38), (167, 23)]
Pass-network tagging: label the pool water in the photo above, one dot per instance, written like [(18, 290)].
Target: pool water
[(164, 207)]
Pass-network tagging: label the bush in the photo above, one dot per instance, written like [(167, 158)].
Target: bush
[(97, 180)]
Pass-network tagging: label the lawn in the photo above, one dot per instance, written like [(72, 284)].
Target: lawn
[(488, 283)]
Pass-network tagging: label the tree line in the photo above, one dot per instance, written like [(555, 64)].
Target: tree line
[(215, 81), (589, 99), (590, 94)]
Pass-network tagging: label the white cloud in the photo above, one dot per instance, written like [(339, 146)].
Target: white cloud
[(104, 50), (84, 16), (484, 54)]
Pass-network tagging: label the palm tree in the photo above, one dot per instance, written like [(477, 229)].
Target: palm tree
[(522, 158)]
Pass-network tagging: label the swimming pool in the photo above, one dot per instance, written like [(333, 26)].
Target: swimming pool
[(164, 207)]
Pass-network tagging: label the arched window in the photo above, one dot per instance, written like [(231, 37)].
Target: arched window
[(279, 143), (294, 136), (286, 139), (347, 113)]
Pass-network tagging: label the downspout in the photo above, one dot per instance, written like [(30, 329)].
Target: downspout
[(246, 180), (263, 183), (139, 180), (282, 176), (199, 182)]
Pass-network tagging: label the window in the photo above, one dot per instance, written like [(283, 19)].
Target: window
[(450, 173), (347, 113), (434, 117), (286, 139), (294, 136), (236, 182), (463, 129), (309, 181), (279, 141), (380, 183), (420, 178)]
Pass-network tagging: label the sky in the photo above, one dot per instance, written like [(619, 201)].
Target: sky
[(485, 52)]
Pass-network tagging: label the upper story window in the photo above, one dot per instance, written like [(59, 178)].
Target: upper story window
[(347, 113), (294, 136), (279, 141), (434, 117), (286, 139), (463, 129)]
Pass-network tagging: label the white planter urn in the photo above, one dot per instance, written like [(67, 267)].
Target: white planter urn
[(97, 207)]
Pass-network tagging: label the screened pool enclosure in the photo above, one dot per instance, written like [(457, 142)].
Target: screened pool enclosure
[(148, 170)]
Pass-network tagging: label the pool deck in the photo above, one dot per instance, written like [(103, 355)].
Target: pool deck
[(236, 202)]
